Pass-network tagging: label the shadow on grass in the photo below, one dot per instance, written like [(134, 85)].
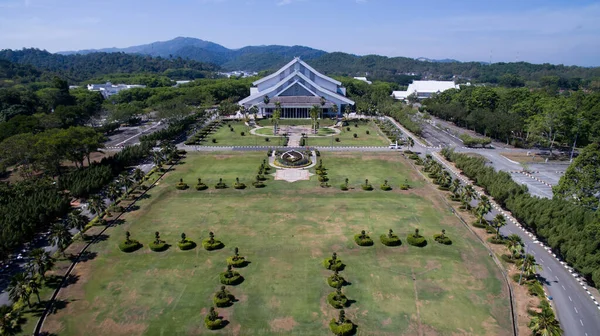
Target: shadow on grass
[(132, 208), (96, 239)]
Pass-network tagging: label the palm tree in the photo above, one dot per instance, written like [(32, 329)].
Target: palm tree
[(97, 205), (529, 266), (157, 158), (347, 111), (411, 142), (76, 220), (334, 109), (125, 181), (499, 221), (35, 286), (18, 288), (514, 246), (314, 115), (40, 263), (9, 321), (455, 188), (138, 174), (60, 236), (468, 194), (113, 192), (545, 324), (483, 208)]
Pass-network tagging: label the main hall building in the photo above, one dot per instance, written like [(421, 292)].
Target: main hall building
[(297, 87)]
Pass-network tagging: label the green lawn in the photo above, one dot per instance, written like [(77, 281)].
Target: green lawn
[(325, 137), (374, 138), (286, 230)]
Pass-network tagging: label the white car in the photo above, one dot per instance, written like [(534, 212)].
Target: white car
[(394, 146)]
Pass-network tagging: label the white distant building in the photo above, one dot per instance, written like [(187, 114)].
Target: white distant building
[(364, 79), (110, 89), (296, 88), (238, 73), (424, 89)]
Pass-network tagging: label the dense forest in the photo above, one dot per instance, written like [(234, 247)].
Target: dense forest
[(521, 116), (78, 68)]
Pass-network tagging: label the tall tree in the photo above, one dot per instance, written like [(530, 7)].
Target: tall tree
[(10, 321), (40, 263), (18, 288), (76, 220), (581, 181), (499, 221), (60, 236), (545, 323)]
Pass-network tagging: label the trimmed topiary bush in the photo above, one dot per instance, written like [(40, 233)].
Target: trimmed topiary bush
[(367, 132), (362, 239), (333, 263), (214, 140), (385, 186), (442, 238), (404, 187), (343, 326), (323, 178), (238, 184), (243, 133), (355, 135), (390, 239), (181, 185), (348, 129), (236, 260), (344, 187), (200, 185), (230, 277), (337, 299), (185, 244), (415, 239), (158, 245), (336, 280), (337, 139), (367, 186), (223, 298), (267, 139), (211, 243), (221, 184), (129, 245), (213, 321)]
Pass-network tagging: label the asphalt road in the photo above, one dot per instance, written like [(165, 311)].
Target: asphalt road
[(576, 310)]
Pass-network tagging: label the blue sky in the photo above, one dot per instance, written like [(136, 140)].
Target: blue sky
[(553, 31)]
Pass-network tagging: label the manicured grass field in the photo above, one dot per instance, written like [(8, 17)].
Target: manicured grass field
[(225, 137), (374, 138), (286, 230)]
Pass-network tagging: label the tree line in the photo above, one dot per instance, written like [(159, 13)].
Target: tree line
[(520, 116), (78, 68)]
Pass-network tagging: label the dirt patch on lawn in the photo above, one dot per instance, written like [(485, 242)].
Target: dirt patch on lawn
[(283, 324)]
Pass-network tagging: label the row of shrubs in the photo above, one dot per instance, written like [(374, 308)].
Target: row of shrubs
[(338, 300), (223, 298), (222, 185), (203, 133), (391, 239), (158, 245), (385, 186)]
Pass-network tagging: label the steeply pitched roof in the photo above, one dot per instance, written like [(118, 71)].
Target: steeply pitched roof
[(294, 61)]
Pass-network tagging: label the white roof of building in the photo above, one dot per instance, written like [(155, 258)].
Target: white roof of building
[(431, 86)]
